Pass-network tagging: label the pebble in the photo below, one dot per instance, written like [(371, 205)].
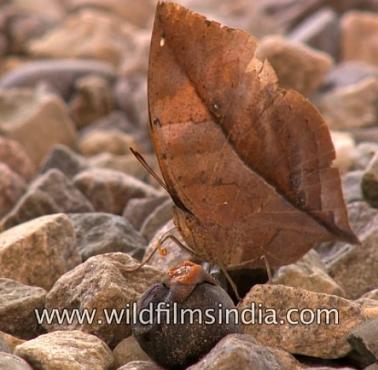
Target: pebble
[(17, 305), (4, 347), (101, 282), (128, 350), (369, 182), (49, 193), (109, 190), (358, 37), (38, 252), (140, 365), (351, 185), (297, 66), (12, 362), (99, 233), (10, 341), (28, 115), (322, 340), (345, 148), (372, 294), (66, 350), (365, 151), (14, 156)]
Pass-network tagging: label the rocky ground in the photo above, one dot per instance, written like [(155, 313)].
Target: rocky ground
[(77, 209)]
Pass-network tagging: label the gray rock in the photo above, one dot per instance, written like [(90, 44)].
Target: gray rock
[(10, 341), (66, 350), (50, 193), (109, 191), (4, 347), (101, 282), (325, 338), (12, 362), (138, 209), (17, 305), (99, 233), (158, 218), (128, 350), (365, 151), (351, 184), (65, 160), (369, 183), (38, 252)]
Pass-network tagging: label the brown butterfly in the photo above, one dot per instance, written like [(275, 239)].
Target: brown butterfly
[(247, 164)]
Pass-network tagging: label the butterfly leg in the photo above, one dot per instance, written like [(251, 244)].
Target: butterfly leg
[(268, 269), (231, 282)]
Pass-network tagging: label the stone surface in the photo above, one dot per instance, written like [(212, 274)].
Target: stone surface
[(12, 186), (320, 339), (372, 294), (297, 66), (4, 347), (99, 233), (138, 209), (369, 182), (50, 193), (11, 341), (109, 191), (352, 106), (140, 365), (364, 153), (12, 362), (38, 252), (243, 352), (351, 184), (128, 350), (60, 75), (358, 37), (17, 305), (106, 141), (158, 218), (308, 273), (28, 115), (14, 156), (320, 31), (101, 282), (345, 150), (174, 253), (65, 160), (98, 35), (66, 350)]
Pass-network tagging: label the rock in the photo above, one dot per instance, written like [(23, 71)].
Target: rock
[(364, 153), (4, 347), (66, 350), (345, 150), (108, 141), (128, 350), (98, 35), (92, 99), (49, 193), (353, 106), (12, 362), (65, 160), (60, 75), (109, 191), (14, 156), (369, 182), (326, 338), (138, 209), (320, 31), (372, 367), (27, 115), (99, 233), (372, 294), (17, 305), (358, 37), (308, 273), (365, 134), (10, 341), (99, 283), (297, 66), (158, 218), (140, 365), (351, 184), (243, 352), (38, 252), (174, 253), (12, 186)]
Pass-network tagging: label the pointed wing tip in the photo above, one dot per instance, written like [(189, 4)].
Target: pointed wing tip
[(350, 237)]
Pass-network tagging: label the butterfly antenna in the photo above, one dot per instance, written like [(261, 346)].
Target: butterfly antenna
[(149, 169)]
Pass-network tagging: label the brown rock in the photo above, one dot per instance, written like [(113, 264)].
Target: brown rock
[(369, 182), (109, 191), (11, 341), (17, 305), (66, 350), (12, 186), (140, 365), (128, 350), (12, 362), (372, 294), (99, 283), (49, 193), (38, 252), (27, 116), (297, 66), (359, 36), (243, 352), (319, 339), (14, 156)]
